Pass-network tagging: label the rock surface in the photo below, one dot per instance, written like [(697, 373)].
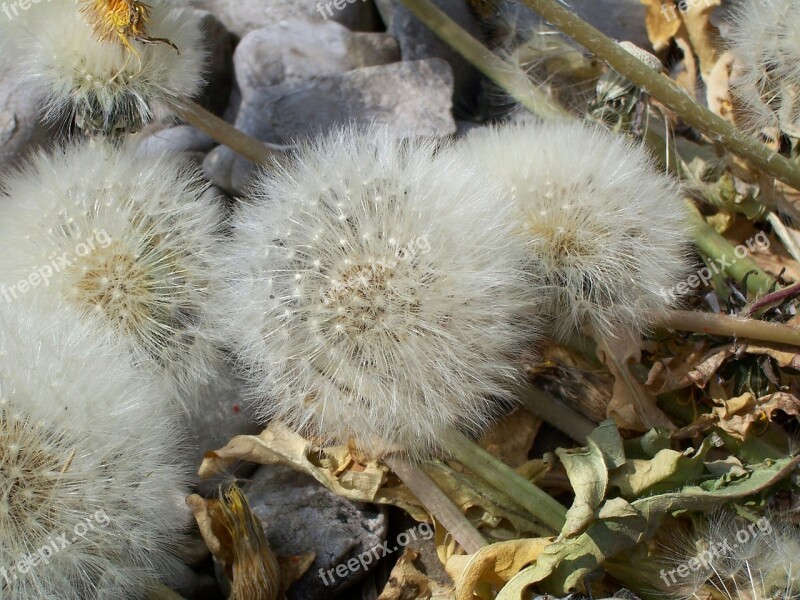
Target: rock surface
[(243, 16), (300, 515)]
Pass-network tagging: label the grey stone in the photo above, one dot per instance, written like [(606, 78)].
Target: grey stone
[(243, 16), (20, 128), (182, 138), (217, 416), (412, 97), (296, 50), (417, 42), (300, 515)]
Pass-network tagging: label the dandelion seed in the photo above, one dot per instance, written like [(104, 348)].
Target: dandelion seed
[(374, 294)]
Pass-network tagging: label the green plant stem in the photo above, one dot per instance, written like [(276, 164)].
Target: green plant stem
[(505, 479), (714, 246), (666, 91), (509, 77), (714, 324), (437, 503), (225, 133)]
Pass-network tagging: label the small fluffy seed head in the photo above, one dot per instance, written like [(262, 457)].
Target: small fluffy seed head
[(764, 40), (736, 559), (83, 69), (88, 483), (374, 292), (123, 236), (607, 233)]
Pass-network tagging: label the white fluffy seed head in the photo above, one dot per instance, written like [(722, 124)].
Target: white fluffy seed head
[(607, 233), (106, 86), (373, 293), (735, 559), (124, 236), (88, 480), (764, 40)]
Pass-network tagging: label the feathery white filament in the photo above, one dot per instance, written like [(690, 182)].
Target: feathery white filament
[(88, 480), (607, 233), (374, 293), (128, 237)]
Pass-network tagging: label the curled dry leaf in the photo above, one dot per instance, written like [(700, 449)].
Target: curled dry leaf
[(511, 438), (699, 367), (480, 575), (689, 24), (237, 540), (742, 415), (360, 480), (632, 406)]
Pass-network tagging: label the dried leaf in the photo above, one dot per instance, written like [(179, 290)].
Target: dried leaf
[(352, 477), (511, 438), (476, 575), (632, 407), (738, 416), (407, 583)]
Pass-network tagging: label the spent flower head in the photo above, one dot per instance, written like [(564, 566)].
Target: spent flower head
[(128, 237), (113, 65), (374, 293), (91, 498)]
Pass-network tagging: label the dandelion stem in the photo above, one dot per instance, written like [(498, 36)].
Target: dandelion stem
[(562, 417), (437, 503), (715, 324), (666, 91), (714, 246), (509, 77), (505, 479), (225, 133)]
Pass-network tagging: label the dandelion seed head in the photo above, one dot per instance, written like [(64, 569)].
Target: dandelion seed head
[(126, 238), (374, 294), (607, 233), (763, 37), (87, 462)]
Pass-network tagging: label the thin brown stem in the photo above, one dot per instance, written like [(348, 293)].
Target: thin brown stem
[(774, 298), (438, 504), (562, 417), (225, 133), (509, 77), (724, 325)]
